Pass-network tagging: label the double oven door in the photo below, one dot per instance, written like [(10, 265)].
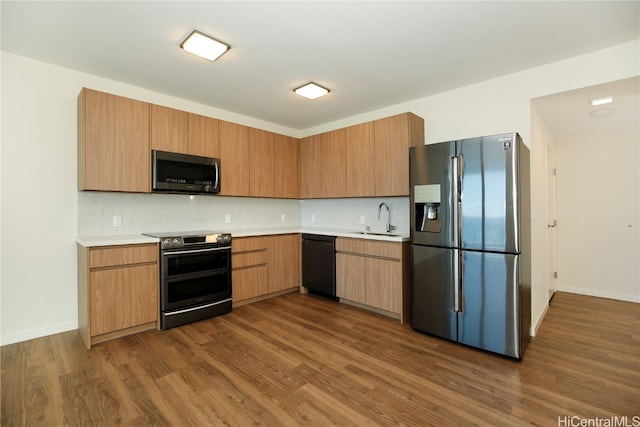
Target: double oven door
[(195, 284)]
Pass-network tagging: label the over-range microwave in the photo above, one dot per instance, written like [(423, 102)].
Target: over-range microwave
[(184, 173)]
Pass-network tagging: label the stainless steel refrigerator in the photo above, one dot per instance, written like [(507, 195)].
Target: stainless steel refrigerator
[(470, 242)]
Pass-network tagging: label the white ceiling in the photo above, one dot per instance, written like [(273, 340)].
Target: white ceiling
[(569, 114), (371, 54)]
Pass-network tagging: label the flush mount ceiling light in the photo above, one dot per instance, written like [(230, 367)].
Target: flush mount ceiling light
[(204, 46), (601, 113), (311, 90), (602, 100)]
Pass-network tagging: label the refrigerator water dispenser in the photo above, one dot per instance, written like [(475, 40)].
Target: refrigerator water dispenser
[(427, 207)]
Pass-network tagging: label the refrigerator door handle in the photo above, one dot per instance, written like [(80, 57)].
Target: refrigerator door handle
[(456, 280), (461, 284), (455, 198)]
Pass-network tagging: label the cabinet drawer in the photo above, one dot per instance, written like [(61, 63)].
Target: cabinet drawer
[(243, 244), (373, 248), (248, 259), (122, 255)]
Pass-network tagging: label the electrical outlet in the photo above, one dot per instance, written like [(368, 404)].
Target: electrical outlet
[(227, 219), (117, 221), (283, 218), (362, 219), (313, 217)]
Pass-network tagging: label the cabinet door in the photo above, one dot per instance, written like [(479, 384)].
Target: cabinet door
[(284, 262), (351, 277), (262, 163), (249, 282), (359, 160), (286, 152), (384, 284), (203, 136), (393, 137), (169, 129), (123, 297), (234, 159), (113, 143), (310, 167), (332, 164)]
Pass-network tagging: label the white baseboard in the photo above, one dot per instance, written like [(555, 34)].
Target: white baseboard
[(37, 333), (536, 325)]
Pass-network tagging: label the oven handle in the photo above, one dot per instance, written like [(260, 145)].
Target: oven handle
[(196, 251), (200, 307)]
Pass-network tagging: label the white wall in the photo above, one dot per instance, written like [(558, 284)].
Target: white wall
[(504, 105), (39, 199), (598, 209), (38, 176)]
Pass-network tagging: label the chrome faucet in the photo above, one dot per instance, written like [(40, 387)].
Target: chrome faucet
[(389, 227)]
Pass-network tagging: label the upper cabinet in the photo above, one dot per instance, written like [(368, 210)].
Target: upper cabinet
[(182, 132), (360, 160), (234, 159), (286, 150), (273, 161), (392, 138), (310, 167), (116, 136), (262, 163), (366, 160), (204, 136), (169, 129), (113, 143)]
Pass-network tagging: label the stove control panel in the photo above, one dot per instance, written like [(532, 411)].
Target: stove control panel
[(208, 240)]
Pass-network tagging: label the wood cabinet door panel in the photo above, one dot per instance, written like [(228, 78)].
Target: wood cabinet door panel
[(360, 160), (261, 163), (286, 167), (284, 262), (332, 164), (384, 284), (351, 277), (310, 167), (169, 129), (113, 143), (123, 297), (203, 136), (234, 159), (249, 282), (392, 156)]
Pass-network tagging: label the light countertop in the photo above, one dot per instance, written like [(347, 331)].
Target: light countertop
[(133, 239)]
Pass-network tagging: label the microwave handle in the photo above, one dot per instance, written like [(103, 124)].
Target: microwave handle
[(217, 175)]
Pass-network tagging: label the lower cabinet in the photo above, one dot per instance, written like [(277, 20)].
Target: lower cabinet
[(264, 266), (118, 291), (373, 274)]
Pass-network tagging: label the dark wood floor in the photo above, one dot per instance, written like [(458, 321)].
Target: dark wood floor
[(302, 360)]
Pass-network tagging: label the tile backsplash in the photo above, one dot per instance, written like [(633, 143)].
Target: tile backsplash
[(348, 214), (140, 213)]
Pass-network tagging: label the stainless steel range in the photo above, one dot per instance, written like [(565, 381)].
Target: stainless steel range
[(195, 276)]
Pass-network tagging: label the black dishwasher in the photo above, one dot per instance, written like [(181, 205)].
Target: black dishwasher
[(319, 264)]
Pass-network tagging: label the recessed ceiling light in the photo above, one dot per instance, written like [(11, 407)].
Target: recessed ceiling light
[(601, 113), (204, 46), (602, 100), (311, 90)]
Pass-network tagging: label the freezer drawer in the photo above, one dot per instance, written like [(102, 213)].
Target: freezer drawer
[(432, 296), (470, 297), (489, 316)]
